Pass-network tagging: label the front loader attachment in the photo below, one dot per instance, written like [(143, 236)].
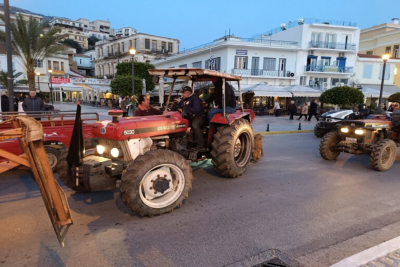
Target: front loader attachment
[(30, 135)]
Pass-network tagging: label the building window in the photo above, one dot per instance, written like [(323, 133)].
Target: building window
[(269, 63), (62, 66), (183, 66), (123, 47), (214, 65), (339, 82), (130, 43), (55, 65), (282, 64), (146, 43), (325, 61), (163, 46), (49, 64), (196, 64), (38, 63), (80, 61), (370, 52), (170, 47), (330, 41), (153, 45), (387, 50), (367, 71), (396, 51), (303, 80), (134, 43), (240, 62)]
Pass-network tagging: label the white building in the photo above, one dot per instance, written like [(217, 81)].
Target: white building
[(85, 64), (149, 47), (126, 31), (319, 53)]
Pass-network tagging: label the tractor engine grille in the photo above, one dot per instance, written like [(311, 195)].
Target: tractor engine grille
[(122, 145)]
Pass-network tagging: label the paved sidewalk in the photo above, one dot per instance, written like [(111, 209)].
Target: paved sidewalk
[(260, 124)]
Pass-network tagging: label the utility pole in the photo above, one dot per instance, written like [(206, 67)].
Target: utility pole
[(10, 76)]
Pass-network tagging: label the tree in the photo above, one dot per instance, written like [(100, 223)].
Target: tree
[(394, 98), (343, 95), (31, 43), (4, 79), (141, 71), (73, 44), (92, 41), (122, 85)]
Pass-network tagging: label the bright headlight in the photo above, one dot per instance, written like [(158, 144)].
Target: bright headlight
[(344, 130), (359, 131), (115, 152), (100, 149)]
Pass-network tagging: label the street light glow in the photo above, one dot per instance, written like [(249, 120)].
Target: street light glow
[(38, 73), (385, 57), (50, 71), (132, 51)]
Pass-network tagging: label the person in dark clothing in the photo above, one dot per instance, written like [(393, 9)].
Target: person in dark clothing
[(313, 110), (5, 105), (192, 109), (216, 96), (16, 103), (33, 103), (292, 109), (144, 108)]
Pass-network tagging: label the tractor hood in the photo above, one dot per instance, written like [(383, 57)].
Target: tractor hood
[(140, 127), (366, 123)]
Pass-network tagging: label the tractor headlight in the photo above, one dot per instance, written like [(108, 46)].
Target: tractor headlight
[(359, 131), (100, 149), (115, 152), (344, 130)]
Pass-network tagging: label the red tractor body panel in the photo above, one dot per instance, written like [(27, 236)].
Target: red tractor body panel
[(141, 127)]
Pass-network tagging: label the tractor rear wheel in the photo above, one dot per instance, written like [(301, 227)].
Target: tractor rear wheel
[(53, 154), (232, 148), (65, 173), (383, 155), (327, 146), (156, 182), (318, 132)]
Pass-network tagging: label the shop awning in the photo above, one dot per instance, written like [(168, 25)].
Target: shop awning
[(303, 91), (68, 87), (370, 92), (390, 89), (101, 88), (269, 93)]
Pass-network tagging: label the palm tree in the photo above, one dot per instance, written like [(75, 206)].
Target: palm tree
[(32, 42), (4, 79)]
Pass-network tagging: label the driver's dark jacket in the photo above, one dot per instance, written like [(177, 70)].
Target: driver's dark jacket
[(192, 106)]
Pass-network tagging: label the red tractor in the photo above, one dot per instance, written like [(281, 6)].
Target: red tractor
[(151, 155)]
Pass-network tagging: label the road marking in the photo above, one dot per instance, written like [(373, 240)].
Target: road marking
[(370, 254)]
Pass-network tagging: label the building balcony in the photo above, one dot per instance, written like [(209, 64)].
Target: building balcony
[(327, 45), (331, 69), (263, 73)]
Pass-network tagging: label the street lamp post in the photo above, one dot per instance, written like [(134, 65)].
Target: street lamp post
[(384, 58), (132, 51), (38, 75), (51, 88)]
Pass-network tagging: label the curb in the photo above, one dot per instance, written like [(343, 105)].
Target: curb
[(285, 132), (370, 254)]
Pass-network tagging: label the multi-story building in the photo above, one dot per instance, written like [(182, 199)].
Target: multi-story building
[(382, 39), (85, 64), (13, 18), (71, 29), (126, 31), (149, 47), (319, 53)]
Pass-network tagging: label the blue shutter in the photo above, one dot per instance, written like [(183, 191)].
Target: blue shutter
[(387, 72), (367, 72)]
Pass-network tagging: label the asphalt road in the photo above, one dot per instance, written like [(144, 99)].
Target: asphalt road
[(314, 211)]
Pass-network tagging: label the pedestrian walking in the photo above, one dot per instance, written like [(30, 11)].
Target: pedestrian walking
[(313, 110), (292, 109), (124, 106), (304, 112), (277, 109), (5, 104)]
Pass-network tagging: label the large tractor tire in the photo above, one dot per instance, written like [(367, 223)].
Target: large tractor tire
[(53, 154), (318, 132), (232, 148), (156, 182), (65, 173), (383, 155), (327, 146)]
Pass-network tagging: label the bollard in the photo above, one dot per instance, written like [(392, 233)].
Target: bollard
[(268, 127), (299, 126)]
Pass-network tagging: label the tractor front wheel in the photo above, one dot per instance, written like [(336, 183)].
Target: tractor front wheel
[(53, 154), (232, 148), (327, 146), (156, 182), (383, 155)]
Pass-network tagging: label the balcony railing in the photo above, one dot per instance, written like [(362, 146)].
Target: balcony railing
[(331, 45), (258, 72), (323, 68), (160, 51)]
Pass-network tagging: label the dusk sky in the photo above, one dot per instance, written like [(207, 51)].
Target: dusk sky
[(198, 22)]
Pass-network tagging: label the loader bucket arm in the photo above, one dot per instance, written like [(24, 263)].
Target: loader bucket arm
[(30, 135)]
